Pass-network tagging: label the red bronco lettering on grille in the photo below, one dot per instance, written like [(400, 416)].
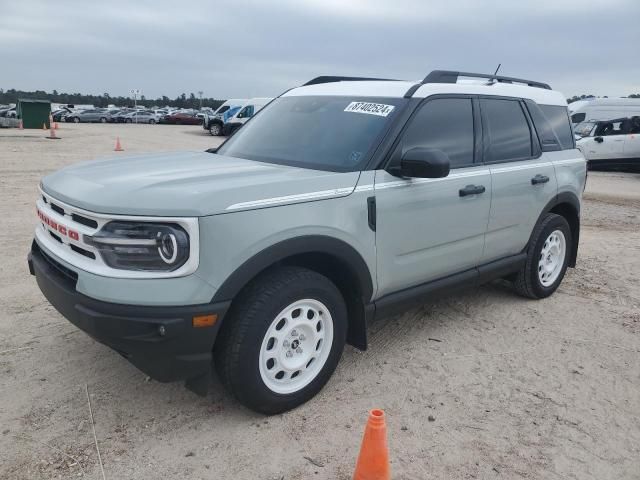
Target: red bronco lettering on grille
[(61, 229)]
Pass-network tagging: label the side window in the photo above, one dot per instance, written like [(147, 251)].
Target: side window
[(508, 129), (558, 117), (635, 125), (444, 124), (578, 117), (548, 138)]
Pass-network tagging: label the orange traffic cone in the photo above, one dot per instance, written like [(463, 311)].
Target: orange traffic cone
[(52, 134), (373, 461), (118, 146), (20, 125), (55, 125)]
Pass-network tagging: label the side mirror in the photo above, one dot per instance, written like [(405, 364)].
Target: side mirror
[(423, 163), (598, 139)]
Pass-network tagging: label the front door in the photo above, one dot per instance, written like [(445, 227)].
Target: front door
[(431, 228)]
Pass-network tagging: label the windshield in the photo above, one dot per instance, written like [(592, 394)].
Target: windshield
[(584, 129), (319, 132)]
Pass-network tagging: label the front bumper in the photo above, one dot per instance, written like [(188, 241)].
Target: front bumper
[(160, 341)]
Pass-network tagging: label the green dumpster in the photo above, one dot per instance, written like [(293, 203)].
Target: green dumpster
[(34, 112)]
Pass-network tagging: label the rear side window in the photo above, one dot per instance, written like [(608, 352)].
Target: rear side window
[(444, 124), (548, 139), (558, 117), (508, 129), (578, 117)]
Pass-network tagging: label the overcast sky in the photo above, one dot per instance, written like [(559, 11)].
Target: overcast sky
[(242, 48)]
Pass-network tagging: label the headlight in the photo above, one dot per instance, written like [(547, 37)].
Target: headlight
[(142, 246)]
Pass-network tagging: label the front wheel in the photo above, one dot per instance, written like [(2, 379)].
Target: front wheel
[(282, 339), (215, 129), (547, 258), (76, 120), (151, 121)]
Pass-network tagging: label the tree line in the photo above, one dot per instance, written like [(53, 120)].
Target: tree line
[(182, 101), (575, 98)]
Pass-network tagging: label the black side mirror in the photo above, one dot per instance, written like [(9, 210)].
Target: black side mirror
[(598, 139), (423, 163)]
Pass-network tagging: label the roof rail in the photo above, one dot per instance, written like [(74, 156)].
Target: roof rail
[(330, 79), (448, 76)]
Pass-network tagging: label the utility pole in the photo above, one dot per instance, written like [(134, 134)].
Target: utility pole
[(200, 95)]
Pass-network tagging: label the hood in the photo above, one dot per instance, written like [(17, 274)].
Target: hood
[(189, 184)]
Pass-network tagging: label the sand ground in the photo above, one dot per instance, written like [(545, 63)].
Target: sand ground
[(518, 388)]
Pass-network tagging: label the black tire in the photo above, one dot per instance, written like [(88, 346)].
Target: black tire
[(527, 281), (76, 120), (237, 349), (151, 121), (103, 119), (215, 129)]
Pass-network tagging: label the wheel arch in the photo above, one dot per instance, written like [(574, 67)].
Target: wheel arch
[(567, 205), (331, 257)]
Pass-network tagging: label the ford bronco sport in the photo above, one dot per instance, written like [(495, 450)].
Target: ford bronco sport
[(342, 200)]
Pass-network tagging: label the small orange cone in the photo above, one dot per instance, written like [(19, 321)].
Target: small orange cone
[(373, 461), (20, 125), (118, 146), (52, 134), (55, 125)]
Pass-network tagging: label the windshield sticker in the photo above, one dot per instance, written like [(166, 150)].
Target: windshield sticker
[(379, 109)]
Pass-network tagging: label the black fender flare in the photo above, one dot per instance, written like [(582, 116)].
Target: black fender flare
[(296, 246), (573, 201)]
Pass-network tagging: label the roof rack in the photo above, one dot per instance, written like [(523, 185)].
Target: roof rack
[(330, 79), (447, 76)]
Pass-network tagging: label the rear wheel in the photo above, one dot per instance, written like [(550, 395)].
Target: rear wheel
[(76, 120), (151, 121), (547, 258), (103, 120), (282, 339)]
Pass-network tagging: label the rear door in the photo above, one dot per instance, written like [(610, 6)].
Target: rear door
[(523, 178), (426, 228)]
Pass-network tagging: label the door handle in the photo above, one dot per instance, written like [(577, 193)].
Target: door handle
[(471, 190), (539, 179)]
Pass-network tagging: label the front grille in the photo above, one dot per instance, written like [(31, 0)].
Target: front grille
[(87, 222), (57, 208), (82, 251)]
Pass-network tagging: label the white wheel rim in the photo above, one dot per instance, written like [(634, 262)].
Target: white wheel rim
[(551, 258), (296, 346)]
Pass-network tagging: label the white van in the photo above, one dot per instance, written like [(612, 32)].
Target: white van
[(603, 109), (610, 143), (252, 107), (214, 121)]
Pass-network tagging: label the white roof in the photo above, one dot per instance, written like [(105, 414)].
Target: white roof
[(392, 88)]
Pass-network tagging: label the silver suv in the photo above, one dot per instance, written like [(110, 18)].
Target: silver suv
[(342, 200)]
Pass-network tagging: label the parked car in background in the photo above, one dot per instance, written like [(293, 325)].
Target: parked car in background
[(213, 122), (611, 144), (144, 116), (252, 107), (603, 108), (8, 112), (182, 118), (89, 116), (58, 115)]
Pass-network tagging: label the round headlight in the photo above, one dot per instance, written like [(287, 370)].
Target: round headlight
[(167, 247)]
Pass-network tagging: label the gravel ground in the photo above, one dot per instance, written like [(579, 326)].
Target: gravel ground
[(517, 388)]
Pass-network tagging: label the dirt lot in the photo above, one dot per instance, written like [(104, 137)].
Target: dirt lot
[(518, 388)]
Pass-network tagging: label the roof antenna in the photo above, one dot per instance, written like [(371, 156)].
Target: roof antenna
[(493, 80)]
